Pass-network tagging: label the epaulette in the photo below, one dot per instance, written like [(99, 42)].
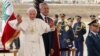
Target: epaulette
[(66, 28)]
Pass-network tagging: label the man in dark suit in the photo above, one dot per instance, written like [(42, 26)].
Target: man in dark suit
[(93, 39), (47, 37), (79, 30)]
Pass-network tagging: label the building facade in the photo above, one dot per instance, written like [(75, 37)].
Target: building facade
[(77, 1), (80, 1), (62, 1)]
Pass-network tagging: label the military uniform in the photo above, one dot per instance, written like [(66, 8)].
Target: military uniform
[(66, 37), (93, 17), (79, 30), (93, 42)]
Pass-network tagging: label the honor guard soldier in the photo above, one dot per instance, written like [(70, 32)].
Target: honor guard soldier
[(93, 39), (92, 17), (79, 30), (66, 36), (56, 19)]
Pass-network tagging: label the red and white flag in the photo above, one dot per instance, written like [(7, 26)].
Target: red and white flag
[(7, 15)]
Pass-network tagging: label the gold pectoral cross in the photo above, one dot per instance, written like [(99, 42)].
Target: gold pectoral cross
[(32, 30)]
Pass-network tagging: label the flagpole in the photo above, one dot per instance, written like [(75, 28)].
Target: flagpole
[(4, 49)]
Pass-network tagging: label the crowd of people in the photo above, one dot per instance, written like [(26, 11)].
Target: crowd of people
[(43, 36)]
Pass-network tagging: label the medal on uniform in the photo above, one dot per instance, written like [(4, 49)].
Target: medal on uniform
[(66, 28), (76, 36), (70, 45), (68, 40), (32, 30)]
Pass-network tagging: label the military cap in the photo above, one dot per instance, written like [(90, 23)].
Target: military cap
[(92, 16), (70, 18), (94, 22), (79, 17), (62, 15)]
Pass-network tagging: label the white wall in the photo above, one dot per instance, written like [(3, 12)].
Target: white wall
[(98, 1), (26, 1)]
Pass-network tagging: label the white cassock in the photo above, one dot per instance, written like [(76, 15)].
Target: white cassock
[(32, 43)]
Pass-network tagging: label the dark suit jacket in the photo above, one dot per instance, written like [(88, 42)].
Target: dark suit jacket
[(93, 45), (47, 37)]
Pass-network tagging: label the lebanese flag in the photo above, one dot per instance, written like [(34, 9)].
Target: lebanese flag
[(7, 15)]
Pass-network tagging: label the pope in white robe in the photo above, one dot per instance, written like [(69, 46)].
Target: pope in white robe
[(32, 42)]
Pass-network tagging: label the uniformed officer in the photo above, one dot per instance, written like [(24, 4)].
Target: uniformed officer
[(56, 19), (79, 30), (93, 17), (66, 36), (93, 39)]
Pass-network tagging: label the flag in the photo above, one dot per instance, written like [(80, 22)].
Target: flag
[(7, 15)]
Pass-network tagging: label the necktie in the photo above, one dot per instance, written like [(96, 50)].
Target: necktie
[(46, 19)]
